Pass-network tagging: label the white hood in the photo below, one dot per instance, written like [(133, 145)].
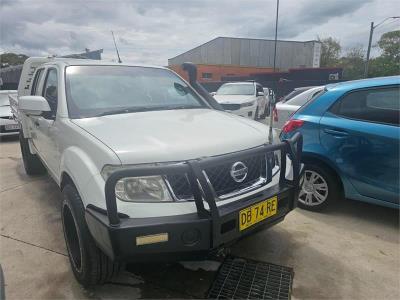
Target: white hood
[(5, 111), (234, 99), (174, 135)]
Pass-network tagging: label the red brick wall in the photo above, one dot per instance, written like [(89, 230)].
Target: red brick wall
[(218, 71)]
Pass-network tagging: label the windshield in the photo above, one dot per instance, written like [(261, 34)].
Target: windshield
[(294, 93), (236, 89), (304, 97), (103, 90)]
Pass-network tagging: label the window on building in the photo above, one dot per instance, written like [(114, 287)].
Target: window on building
[(206, 75), (378, 105)]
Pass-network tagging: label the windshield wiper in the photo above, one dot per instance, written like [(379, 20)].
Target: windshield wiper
[(184, 107), (122, 111), (144, 108)]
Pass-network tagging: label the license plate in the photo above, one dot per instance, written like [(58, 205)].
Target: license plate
[(257, 212), (11, 127)]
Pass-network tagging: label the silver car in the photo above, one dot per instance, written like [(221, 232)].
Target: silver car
[(8, 126), (283, 110)]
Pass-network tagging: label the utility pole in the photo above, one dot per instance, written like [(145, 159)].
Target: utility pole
[(276, 32), (371, 32)]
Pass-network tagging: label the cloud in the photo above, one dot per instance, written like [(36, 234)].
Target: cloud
[(150, 32)]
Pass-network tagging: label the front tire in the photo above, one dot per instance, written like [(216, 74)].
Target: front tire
[(89, 264), (319, 189), (32, 163)]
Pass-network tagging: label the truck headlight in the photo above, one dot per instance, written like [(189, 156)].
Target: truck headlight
[(142, 189), (138, 189), (246, 104)]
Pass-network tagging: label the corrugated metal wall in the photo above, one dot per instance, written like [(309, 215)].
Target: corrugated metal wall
[(251, 52)]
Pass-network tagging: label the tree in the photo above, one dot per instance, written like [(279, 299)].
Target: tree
[(12, 59), (330, 52), (390, 44), (353, 63), (389, 62)]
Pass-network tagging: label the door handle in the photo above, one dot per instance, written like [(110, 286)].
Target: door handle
[(336, 132)]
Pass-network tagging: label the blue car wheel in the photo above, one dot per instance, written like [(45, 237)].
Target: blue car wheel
[(320, 187)]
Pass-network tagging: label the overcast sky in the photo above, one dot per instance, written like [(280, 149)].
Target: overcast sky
[(151, 31)]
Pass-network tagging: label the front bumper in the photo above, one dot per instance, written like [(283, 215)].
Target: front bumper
[(247, 111), (190, 236), (5, 122)]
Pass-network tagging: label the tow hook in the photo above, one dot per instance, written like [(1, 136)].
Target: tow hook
[(220, 253)]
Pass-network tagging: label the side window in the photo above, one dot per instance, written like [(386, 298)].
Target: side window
[(36, 81), (379, 105), (259, 89), (50, 92)]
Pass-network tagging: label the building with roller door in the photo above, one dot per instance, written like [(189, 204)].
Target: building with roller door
[(231, 57)]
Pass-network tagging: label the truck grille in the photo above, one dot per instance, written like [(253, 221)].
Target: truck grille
[(180, 186), (230, 106), (221, 179)]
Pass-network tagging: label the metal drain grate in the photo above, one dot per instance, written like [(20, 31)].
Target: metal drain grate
[(240, 278)]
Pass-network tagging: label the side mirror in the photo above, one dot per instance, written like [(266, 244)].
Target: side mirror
[(213, 93), (260, 94), (33, 105)]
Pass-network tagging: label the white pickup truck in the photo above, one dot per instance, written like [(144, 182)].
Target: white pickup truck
[(148, 166)]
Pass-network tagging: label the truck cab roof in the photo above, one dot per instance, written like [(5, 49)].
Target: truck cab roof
[(32, 63)]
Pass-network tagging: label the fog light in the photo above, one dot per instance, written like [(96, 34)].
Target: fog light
[(151, 239), (191, 237)]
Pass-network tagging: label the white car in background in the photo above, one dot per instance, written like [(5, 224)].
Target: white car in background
[(245, 99), (285, 109), (8, 126)]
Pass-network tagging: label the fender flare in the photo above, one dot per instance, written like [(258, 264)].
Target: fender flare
[(347, 187), (77, 167)]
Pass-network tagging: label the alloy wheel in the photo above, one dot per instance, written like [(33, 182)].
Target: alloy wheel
[(314, 190)]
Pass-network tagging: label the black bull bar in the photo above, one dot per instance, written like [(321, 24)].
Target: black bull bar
[(201, 188)]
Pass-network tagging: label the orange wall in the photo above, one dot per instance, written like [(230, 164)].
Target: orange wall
[(219, 71)]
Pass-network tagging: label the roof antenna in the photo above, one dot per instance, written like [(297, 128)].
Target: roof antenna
[(116, 49)]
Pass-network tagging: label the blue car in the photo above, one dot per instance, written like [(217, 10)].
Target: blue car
[(351, 143)]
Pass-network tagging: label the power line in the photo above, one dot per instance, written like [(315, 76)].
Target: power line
[(386, 29)]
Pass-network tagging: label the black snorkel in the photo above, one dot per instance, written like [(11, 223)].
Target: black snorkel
[(191, 69)]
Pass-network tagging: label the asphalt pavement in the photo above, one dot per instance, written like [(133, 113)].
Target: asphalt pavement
[(350, 251)]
